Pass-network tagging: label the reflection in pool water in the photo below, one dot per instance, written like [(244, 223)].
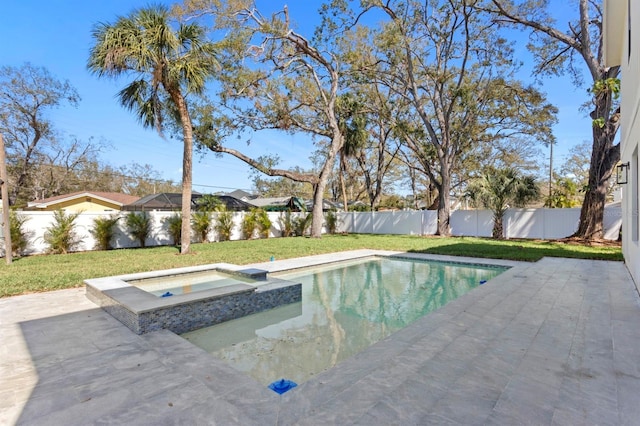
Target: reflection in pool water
[(344, 309)]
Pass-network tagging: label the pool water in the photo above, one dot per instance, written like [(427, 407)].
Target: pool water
[(188, 283), (345, 308)]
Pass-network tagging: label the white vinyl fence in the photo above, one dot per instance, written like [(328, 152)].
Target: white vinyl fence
[(518, 223), (38, 222)]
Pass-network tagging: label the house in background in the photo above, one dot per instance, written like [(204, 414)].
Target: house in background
[(279, 204), (173, 202), (86, 201), (622, 48), (241, 195)]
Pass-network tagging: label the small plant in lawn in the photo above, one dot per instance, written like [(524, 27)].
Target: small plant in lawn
[(263, 222), (174, 227), (224, 223), (286, 224), (201, 223), (103, 231), (301, 224), (139, 226), (331, 221), (61, 236), (249, 224), (19, 237)]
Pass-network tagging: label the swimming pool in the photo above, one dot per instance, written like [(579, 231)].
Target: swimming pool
[(345, 308)]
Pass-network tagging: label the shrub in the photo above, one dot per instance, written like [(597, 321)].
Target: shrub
[(174, 227), (249, 224), (332, 221), (224, 223), (256, 220), (103, 231), (286, 224), (301, 224), (139, 226), (201, 222), (61, 235), (19, 237), (263, 222)]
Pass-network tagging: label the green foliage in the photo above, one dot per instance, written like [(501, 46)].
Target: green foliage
[(139, 226), (208, 203), (332, 221), (286, 224), (103, 231), (256, 220), (565, 194), (174, 227), (202, 223), (496, 189), (248, 225), (601, 88), (302, 223), (224, 223), (598, 122), (393, 202), (61, 236), (19, 237), (360, 208), (263, 222), (607, 85), (162, 58)]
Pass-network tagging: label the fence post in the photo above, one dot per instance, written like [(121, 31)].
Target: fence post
[(4, 188)]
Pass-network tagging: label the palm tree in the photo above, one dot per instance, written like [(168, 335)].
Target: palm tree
[(353, 125), (496, 189), (168, 64)]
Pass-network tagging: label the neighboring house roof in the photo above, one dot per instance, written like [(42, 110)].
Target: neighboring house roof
[(326, 205), (271, 201), (173, 201), (162, 201), (109, 197), (279, 203), (290, 203), (241, 195), (235, 204)]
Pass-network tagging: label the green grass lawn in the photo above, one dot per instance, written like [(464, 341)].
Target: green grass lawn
[(52, 272)]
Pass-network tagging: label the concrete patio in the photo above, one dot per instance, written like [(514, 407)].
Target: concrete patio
[(552, 342)]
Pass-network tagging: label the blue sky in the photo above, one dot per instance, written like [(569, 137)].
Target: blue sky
[(57, 36)]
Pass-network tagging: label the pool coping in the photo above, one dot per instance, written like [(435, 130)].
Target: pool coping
[(323, 259)]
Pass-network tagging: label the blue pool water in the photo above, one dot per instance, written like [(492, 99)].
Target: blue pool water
[(345, 308), (188, 282)]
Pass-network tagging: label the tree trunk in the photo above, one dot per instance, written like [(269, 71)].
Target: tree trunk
[(318, 190), (187, 166), (498, 227), (444, 205), (317, 212), (604, 157), (343, 187), (603, 161), (187, 170)]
